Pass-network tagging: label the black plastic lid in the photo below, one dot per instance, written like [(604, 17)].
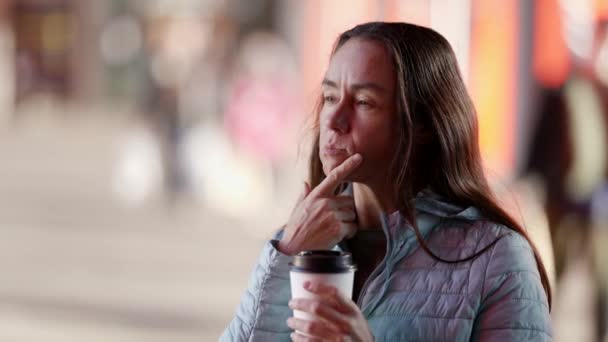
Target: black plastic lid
[(323, 261)]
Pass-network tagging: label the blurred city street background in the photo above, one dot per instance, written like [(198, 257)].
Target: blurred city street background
[(79, 266), (149, 148)]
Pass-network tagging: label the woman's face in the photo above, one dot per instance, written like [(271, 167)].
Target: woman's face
[(358, 111)]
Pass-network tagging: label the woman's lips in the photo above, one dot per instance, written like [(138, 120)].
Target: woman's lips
[(334, 151)]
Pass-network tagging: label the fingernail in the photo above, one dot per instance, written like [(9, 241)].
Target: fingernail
[(290, 304), (292, 335), (357, 157)]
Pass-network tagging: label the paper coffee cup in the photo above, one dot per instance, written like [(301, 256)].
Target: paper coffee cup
[(321, 266)]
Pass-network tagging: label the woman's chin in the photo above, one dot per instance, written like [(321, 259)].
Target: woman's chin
[(330, 165)]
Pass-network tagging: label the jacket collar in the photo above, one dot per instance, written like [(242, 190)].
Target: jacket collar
[(430, 210), (429, 202)]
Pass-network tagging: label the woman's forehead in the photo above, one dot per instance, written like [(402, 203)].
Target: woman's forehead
[(361, 61)]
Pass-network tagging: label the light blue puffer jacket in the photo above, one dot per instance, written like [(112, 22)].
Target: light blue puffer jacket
[(497, 296)]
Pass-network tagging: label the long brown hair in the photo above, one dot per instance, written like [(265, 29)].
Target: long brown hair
[(431, 97)]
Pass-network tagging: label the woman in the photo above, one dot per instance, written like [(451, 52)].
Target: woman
[(396, 179)]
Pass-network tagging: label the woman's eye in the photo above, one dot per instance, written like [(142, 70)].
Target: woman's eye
[(329, 98), (364, 103)]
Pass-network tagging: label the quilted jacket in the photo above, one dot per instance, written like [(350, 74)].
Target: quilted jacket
[(496, 296)]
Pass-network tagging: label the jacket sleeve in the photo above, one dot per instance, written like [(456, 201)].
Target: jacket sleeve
[(514, 306), (263, 311)]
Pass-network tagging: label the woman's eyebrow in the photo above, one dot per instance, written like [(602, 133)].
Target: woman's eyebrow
[(369, 85), (358, 86), (329, 83)]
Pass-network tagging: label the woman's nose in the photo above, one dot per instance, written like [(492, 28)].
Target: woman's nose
[(339, 119)]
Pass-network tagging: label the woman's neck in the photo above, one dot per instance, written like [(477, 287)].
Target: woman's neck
[(370, 204), (371, 200)]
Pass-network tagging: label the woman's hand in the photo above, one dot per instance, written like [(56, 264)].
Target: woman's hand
[(320, 219), (339, 318)]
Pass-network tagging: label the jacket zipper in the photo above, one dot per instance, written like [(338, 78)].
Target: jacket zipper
[(378, 268), (369, 279)]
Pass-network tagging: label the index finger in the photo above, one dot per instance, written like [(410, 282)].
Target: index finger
[(340, 302), (337, 175)]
